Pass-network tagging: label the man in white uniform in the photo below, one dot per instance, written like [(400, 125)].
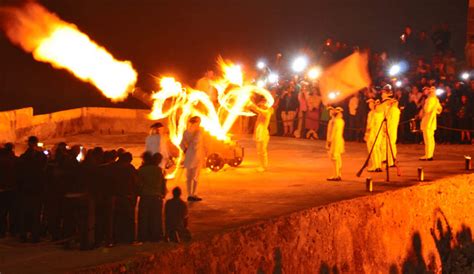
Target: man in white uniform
[(194, 149), (157, 142), (393, 119), (374, 121), (262, 135), (431, 108), (392, 113), (335, 142)]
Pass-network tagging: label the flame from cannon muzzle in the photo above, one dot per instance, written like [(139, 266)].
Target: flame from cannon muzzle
[(52, 40)]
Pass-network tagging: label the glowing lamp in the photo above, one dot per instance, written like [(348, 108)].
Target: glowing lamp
[(261, 65), (314, 73), (299, 64), (394, 70), (80, 156)]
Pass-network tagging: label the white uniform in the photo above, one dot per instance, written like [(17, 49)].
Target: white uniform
[(262, 135), (194, 147), (393, 119), (335, 136), (374, 121), (431, 108), (155, 143)]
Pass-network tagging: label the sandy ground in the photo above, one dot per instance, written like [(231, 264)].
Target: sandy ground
[(296, 179)]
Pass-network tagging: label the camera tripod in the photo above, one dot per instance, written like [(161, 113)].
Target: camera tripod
[(388, 147)]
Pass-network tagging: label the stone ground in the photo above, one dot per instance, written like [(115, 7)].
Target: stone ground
[(233, 197)]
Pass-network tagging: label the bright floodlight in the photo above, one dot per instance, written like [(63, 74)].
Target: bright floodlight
[(273, 78), (465, 75), (260, 83), (394, 70), (261, 65), (299, 64), (439, 91), (398, 83), (333, 94), (314, 73)]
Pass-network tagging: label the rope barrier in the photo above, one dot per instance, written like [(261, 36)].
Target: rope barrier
[(324, 122)]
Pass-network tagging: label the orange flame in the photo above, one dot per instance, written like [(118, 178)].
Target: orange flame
[(61, 44), (178, 104)]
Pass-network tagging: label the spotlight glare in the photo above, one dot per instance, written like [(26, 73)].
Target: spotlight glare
[(261, 65), (260, 83), (465, 75), (273, 78), (299, 64), (439, 91), (314, 73), (398, 83), (394, 70), (333, 94)]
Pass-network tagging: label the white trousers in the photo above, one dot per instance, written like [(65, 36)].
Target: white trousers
[(337, 164), (429, 140), (192, 177), (262, 153), (375, 159)]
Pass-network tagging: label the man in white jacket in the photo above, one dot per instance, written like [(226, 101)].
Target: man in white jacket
[(194, 148), (335, 141), (431, 108), (374, 122), (262, 135), (393, 119), (157, 142)]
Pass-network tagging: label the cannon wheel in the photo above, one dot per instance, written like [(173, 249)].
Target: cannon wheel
[(215, 162), (235, 162)]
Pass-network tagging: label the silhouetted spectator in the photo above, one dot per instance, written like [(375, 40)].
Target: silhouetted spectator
[(79, 212), (125, 192), (464, 116), (55, 190), (31, 177), (152, 189), (104, 199), (8, 191), (176, 214)]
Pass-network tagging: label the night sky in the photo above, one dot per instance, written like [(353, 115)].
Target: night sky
[(184, 38)]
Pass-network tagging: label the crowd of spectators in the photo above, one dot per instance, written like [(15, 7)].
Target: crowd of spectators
[(86, 199), (424, 60)]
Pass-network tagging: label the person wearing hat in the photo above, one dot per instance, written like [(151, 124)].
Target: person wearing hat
[(391, 112), (431, 108), (393, 119), (374, 121), (335, 141), (261, 134), (157, 142), (194, 148)]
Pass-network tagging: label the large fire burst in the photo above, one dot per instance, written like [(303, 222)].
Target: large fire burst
[(61, 44)]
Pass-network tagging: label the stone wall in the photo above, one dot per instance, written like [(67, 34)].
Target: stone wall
[(16, 125), (408, 230)]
